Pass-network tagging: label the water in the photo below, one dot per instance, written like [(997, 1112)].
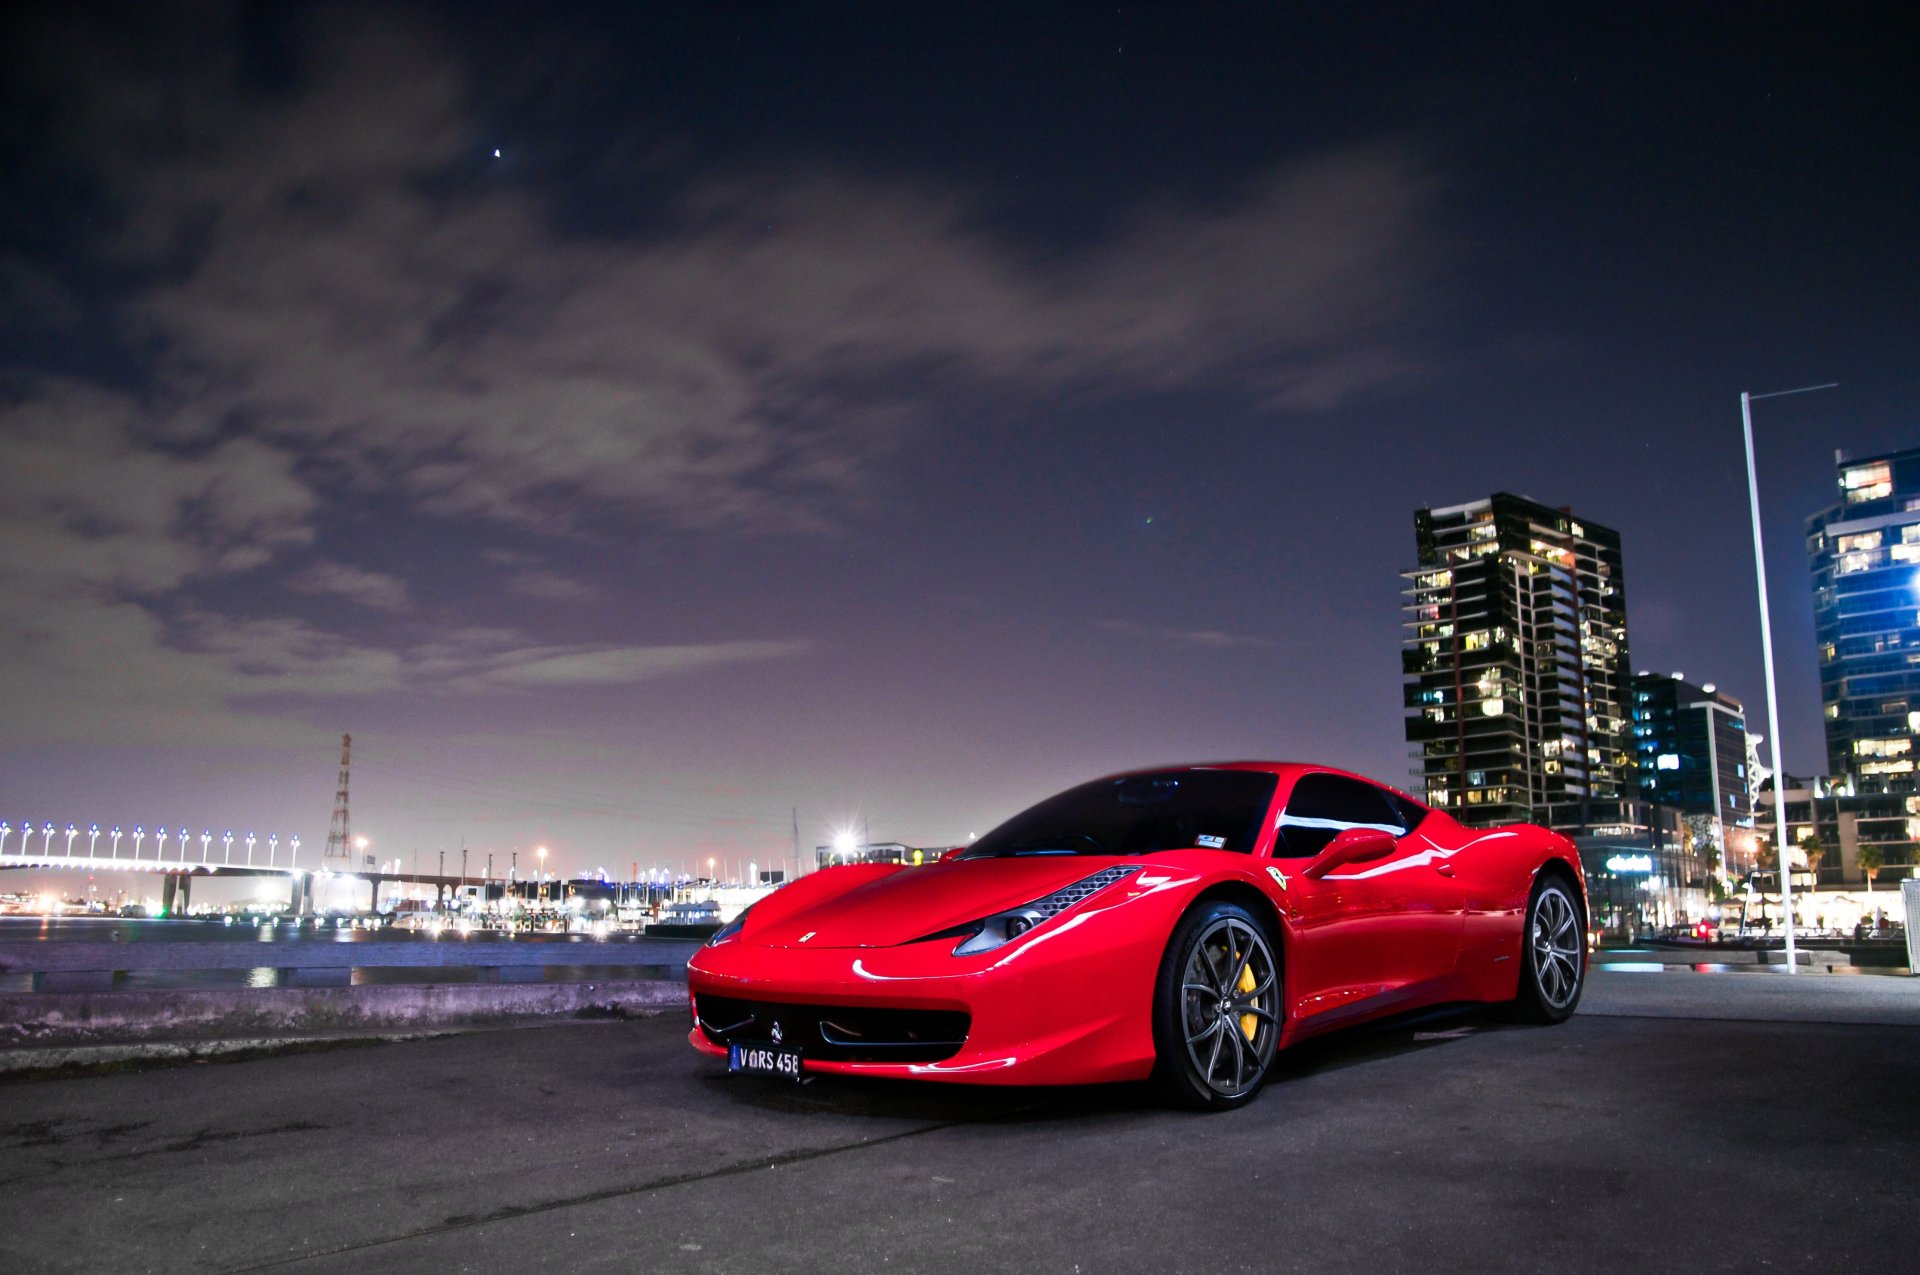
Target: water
[(115, 954), (113, 929), (330, 976)]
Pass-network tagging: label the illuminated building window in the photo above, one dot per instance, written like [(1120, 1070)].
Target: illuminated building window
[(1857, 543), (1882, 747), (1867, 482)]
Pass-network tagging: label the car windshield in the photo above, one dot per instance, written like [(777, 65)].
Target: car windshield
[(1139, 814)]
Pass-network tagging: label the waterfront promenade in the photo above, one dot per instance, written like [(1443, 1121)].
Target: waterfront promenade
[(1680, 1121)]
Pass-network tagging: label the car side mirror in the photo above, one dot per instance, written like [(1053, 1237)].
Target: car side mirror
[(1353, 845)]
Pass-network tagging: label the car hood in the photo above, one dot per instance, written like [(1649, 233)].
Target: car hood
[(915, 902)]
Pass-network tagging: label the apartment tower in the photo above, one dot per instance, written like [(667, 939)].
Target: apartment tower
[(1516, 647), (1865, 556)]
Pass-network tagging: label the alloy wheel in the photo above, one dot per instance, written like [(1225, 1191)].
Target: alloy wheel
[(1230, 998), (1556, 939)]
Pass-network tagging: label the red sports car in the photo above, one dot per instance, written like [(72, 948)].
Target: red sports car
[(1181, 925)]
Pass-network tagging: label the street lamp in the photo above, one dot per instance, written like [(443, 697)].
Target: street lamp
[(72, 832), (93, 835), (293, 851), (226, 846), (46, 840), (273, 847), (206, 839), (250, 841), (6, 830), (139, 835), (113, 851), (160, 846), (1766, 647)]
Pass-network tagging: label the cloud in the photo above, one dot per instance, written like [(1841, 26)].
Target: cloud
[(550, 586), (1212, 639), (345, 279), (326, 301), (369, 589), (627, 665)]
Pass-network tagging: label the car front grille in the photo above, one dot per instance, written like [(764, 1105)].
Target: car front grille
[(837, 1033)]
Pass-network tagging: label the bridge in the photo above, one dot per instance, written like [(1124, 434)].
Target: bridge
[(179, 869)]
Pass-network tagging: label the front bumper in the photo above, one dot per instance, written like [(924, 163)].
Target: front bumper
[(1069, 1003)]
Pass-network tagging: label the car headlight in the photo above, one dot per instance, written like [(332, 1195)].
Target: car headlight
[(731, 928), (1002, 928)]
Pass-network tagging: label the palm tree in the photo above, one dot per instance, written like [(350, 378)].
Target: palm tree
[(1814, 849), (1872, 859)]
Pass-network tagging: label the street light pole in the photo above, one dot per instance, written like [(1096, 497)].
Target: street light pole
[(1766, 646)]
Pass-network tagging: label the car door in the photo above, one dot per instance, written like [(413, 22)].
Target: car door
[(1368, 935)]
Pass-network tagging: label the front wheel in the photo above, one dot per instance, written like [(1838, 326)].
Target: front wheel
[(1217, 1009), (1554, 954)]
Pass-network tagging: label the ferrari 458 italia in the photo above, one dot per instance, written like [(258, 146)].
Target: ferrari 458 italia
[(1180, 925)]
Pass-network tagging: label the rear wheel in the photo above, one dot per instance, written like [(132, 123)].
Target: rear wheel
[(1553, 953), (1217, 1009)]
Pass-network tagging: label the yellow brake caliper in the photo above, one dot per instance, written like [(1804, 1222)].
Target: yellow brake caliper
[(1248, 1022)]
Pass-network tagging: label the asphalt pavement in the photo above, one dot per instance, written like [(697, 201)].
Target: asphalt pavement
[(1682, 1121)]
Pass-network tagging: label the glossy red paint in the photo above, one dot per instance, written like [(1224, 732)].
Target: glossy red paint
[(1373, 925)]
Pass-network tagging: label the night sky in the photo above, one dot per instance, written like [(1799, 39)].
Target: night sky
[(633, 424)]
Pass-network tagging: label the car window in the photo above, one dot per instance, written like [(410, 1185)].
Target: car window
[(1143, 813), (1322, 806), (1411, 811)]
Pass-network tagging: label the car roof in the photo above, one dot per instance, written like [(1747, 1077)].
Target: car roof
[(1284, 769)]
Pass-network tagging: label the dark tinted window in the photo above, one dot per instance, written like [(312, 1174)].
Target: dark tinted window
[(1321, 806), (1139, 814), (1411, 812)]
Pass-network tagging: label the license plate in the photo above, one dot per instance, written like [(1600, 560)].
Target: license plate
[(765, 1060)]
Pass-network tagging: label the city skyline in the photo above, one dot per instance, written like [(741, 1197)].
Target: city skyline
[(427, 376)]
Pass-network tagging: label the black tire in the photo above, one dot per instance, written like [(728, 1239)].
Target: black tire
[(1553, 951), (1215, 1029)]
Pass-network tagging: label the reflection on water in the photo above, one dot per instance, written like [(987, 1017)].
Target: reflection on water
[(340, 976), (113, 929)]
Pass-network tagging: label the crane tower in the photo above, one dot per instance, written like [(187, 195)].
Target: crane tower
[(339, 852)]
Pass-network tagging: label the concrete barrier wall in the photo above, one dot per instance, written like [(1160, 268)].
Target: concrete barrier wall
[(77, 1018)]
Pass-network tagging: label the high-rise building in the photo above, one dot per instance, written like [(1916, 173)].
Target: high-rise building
[(1865, 556), (1690, 746), (1516, 647)]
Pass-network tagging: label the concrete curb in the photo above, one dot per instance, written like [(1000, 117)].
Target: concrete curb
[(46, 1019)]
